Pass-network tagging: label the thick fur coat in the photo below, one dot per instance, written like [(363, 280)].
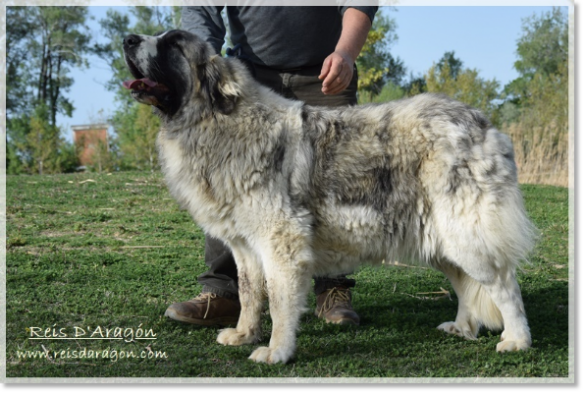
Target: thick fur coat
[(297, 191)]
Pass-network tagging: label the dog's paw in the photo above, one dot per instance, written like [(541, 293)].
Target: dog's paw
[(452, 327), (233, 337), (270, 356), (512, 346)]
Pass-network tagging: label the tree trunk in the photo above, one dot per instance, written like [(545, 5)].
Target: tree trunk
[(55, 92)]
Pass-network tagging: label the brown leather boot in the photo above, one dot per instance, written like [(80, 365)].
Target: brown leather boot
[(334, 305), (207, 309)]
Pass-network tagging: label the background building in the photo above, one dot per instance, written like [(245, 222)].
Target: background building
[(91, 141)]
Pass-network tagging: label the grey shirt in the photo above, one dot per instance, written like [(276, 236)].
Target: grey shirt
[(277, 37)]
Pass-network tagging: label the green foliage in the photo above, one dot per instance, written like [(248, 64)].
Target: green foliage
[(508, 112), (546, 100), (53, 41), (67, 157), (19, 96), (464, 85), (415, 85), (389, 92), (116, 251), (448, 76), (18, 155), (36, 146), (375, 63), (543, 46), (136, 131), (42, 44), (543, 51), (42, 141), (104, 158), (14, 163), (452, 62)]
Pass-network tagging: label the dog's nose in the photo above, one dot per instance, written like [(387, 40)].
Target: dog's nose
[(131, 40)]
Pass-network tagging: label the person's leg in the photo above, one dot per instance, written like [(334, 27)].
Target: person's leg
[(333, 293), (222, 276), (218, 302)]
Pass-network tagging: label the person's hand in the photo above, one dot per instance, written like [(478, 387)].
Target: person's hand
[(336, 73)]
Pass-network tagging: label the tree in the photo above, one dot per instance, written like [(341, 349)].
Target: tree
[(42, 141), (18, 94), (104, 157), (540, 94), (376, 64), (542, 49), (449, 77), (56, 43), (415, 85), (42, 44), (18, 155), (450, 60), (418, 84)]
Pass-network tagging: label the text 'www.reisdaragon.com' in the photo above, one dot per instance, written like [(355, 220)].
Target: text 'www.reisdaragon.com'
[(113, 355)]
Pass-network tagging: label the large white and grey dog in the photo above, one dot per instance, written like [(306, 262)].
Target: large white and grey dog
[(297, 191)]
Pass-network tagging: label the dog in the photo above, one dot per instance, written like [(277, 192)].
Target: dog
[(297, 191)]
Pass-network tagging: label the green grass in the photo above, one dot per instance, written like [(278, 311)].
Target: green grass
[(117, 251)]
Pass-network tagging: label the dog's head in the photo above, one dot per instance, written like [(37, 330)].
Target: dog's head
[(176, 68)]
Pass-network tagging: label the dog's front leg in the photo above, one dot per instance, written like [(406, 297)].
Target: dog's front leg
[(252, 294), (287, 260)]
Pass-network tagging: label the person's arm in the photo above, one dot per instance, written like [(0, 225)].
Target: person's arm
[(206, 22), (337, 70)]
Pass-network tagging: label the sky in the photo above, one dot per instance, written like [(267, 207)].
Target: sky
[(483, 37)]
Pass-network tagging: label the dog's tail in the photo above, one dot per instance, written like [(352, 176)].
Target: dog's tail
[(478, 209)]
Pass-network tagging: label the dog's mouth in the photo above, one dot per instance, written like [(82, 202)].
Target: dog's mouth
[(148, 91), (145, 90)]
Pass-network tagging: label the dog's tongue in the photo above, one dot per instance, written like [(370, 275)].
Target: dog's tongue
[(139, 84)]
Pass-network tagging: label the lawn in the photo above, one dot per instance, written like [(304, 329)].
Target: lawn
[(107, 254)]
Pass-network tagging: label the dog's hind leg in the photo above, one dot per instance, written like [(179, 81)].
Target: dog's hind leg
[(505, 293), (488, 295), (491, 299), (251, 293), (288, 261), (475, 307)]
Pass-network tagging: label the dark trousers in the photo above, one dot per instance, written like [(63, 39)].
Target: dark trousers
[(303, 85)]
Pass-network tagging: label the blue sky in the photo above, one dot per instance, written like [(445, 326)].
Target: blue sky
[(484, 38)]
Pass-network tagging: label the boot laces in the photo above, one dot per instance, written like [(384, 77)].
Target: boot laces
[(206, 297), (334, 296)]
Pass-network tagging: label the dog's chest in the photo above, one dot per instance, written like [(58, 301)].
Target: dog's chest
[(184, 181)]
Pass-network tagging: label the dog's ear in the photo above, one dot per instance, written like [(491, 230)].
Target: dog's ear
[(219, 85)]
